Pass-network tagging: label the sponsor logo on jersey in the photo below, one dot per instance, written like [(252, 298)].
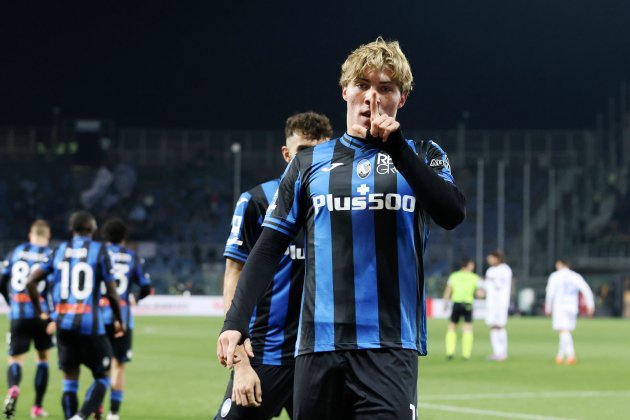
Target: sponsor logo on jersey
[(31, 256), (365, 201), (76, 253), (385, 165), (364, 168), (440, 163), (295, 253)]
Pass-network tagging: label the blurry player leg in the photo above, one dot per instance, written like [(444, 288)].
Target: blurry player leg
[(14, 377), (118, 383), (467, 340), (451, 340), (41, 384), (69, 400), (495, 341), (568, 346), (503, 339), (94, 397)]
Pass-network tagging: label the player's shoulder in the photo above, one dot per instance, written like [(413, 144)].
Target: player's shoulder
[(263, 193)]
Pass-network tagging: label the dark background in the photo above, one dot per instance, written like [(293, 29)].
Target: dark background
[(247, 65)]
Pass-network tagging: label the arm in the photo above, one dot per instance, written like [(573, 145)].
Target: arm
[(142, 279), (255, 278), (31, 286), (549, 295), (4, 288), (114, 303), (233, 271), (447, 296), (588, 295)]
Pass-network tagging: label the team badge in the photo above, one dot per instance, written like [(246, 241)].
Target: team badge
[(106, 362), (364, 168), (225, 407)]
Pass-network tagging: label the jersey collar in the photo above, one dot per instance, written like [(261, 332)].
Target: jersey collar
[(355, 142)]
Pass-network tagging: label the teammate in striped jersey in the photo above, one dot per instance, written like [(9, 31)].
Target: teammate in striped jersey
[(129, 271), (561, 302), (364, 201), (261, 388), (79, 267), (25, 325)]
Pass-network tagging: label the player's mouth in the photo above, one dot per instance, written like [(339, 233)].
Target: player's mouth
[(366, 114)]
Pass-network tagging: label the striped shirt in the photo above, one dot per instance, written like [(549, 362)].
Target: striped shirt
[(365, 233), (274, 324)]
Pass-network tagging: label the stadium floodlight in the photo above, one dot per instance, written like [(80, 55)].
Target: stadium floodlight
[(236, 150)]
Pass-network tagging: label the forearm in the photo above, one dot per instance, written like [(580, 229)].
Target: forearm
[(441, 199), (34, 295), (114, 301), (145, 290), (4, 289), (255, 278), (233, 271)]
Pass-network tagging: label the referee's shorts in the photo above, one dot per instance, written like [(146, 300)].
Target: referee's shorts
[(374, 384), (461, 309)]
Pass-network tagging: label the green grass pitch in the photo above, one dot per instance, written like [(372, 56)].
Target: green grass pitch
[(175, 374)]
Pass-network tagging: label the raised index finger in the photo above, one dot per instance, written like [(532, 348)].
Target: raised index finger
[(374, 112)]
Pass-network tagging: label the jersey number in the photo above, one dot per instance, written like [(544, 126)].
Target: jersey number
[(79, 281), (19, 275), (120, 271)]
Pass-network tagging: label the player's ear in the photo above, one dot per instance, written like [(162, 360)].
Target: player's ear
[(286, 155), (403, 99), (344, 93)]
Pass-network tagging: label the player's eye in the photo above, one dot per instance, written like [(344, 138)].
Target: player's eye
[(362, 85)]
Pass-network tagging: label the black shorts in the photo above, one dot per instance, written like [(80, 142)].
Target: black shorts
[(357, 384), (121, 346), (93, 351), (23, 331), (276, 383), (461, 309)]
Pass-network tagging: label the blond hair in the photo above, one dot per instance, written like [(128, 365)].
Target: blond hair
[(40, 228), (378, 55)]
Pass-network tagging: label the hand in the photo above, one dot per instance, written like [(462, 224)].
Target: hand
[(44, 316), (381, 125), (226, 346), (51, 328), (246, 389), (119, 329), (590, 312)]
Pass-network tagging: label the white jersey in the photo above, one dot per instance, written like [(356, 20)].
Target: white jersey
[(498, 286), (563, 289)]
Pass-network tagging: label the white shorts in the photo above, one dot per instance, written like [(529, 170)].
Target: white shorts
[(563, 320), (496, 316)]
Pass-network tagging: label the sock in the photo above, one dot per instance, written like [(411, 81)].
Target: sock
[(467, 344), (504, 342), (451, 342), (69, 401), (41, 382), (94, 397), (495, 341), (115, 401), (569, 350), (14, 375)]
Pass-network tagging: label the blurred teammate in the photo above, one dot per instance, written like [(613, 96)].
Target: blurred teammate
[(461, 288), (128, 271), (79, 267), (364, 201), (563, 289), (497, 286), (261, 389), (25, 324)]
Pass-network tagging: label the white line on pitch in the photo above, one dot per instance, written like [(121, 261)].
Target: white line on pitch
[(508, 395), (491, 413)]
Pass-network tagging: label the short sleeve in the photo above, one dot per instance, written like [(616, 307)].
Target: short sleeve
[(284, 212), (246, 220)]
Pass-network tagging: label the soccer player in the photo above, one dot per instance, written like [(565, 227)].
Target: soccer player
[(128, 270), (25, 325), (497, 286), (364, 201), (461, 289), (79, 266), (563, 289), (261, 388)]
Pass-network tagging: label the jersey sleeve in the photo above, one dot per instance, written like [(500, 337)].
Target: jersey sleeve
[(435, 157), (550, 292), (245, 230), (105, 269), (586, 292), (284, 212), (140, 276)]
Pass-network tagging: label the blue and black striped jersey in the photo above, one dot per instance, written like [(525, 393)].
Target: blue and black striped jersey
[(79, 267), (274, 323), (128, 270), (365, 235), (16, 269)]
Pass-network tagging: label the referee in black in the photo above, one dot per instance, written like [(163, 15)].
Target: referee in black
[(364, 201)]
